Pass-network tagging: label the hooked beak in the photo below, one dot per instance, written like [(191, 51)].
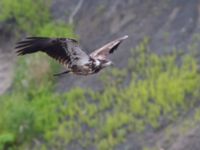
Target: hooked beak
[(107, 64)]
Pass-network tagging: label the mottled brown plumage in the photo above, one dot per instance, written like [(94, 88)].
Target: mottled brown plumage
[(68, 52)]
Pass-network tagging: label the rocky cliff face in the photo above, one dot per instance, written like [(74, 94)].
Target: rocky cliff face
[(169, 24), (6, 60), (6, 71)]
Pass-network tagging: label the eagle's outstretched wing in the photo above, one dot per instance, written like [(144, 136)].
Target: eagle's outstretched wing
[(64, 50), (103, 52)]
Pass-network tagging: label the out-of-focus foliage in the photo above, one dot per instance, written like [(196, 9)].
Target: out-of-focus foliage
[(158, 90), (32, 17), (59, 29), (27, 14), (30, 109), (34, 116)]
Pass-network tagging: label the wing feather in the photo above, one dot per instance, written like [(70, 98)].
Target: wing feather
[(63, 50), (103, 52)]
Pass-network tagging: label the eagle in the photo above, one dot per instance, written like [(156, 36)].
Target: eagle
[(68, 52)]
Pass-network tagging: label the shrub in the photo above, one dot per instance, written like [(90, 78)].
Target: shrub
[(33, 18), (28, 15)]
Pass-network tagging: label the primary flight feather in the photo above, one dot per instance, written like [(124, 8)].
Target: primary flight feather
[(68, 52)]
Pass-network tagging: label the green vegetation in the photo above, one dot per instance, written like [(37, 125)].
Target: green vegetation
[(158, 90), (32, 17), (34, 116), (26, 14)]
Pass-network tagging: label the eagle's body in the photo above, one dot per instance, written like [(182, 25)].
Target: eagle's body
[(67, 52)]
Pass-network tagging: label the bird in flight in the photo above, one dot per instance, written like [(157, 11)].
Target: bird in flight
[(68, 53)]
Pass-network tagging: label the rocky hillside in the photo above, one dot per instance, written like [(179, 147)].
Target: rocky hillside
[(6, 60), (169, 24)]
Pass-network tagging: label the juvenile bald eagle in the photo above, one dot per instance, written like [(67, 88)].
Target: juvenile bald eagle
[(68, 52)]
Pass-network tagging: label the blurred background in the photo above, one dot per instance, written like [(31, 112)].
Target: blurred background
[(148, 101)]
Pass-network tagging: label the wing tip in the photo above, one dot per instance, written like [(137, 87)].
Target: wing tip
[(124, 37)]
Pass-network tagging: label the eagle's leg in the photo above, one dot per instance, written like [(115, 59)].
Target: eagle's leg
[(65, 72)]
